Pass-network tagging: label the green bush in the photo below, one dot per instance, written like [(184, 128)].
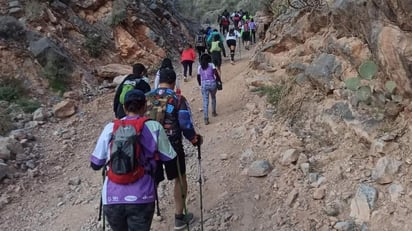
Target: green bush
[(6, 125), (57, 70), (273, 93), (94, 44), (119, 12), (28, 105), (11, 89)]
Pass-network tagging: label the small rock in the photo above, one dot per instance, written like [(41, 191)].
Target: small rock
[(305, 168), (395, 191), (332, 210), (224, 156), (259, 168), (319, 194), (292, 197), (385, 170), (40, 114), (363, 203), (75, 181), (64, 109), (344, 226), (61, 203), (157, 218), (257, 197), (290, 156)]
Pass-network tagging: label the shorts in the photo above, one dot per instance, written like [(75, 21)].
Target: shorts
[(246, 36), (231, 42), (130, 216), (216, 58), (171, 167)]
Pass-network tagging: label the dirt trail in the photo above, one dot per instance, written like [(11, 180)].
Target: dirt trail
[(65, 194)]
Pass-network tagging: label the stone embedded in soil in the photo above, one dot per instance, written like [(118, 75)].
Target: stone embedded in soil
[(259, 168), (319, 193), (363, 203), (290, 156), (344, 226), (395, 191), (385, 170)]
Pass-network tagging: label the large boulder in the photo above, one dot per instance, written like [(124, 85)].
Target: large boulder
[(64, 109), (323, 70), (112, 70)]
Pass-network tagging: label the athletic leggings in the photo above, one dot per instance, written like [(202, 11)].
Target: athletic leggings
[(208, 87), (187, 64), (230, 43)]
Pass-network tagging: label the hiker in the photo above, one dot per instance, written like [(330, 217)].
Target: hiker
[(200, 44), (166, 64), (225, 24), (219, 22), (177, 122), (207, 78), (252, 27), (187, 58), (231, 38), (130, 204), (137, 80), (236, 19), (246, 34), (210, 39), (216, 50)]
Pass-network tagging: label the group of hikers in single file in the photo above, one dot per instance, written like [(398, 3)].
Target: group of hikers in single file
[(145, 140)]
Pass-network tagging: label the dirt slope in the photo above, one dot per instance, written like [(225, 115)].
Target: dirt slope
[(65, 193)]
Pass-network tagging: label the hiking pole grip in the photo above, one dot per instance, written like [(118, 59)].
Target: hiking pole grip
[(198, 153)]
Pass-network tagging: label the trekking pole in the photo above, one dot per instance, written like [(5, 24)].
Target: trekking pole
[(101, 202), (200, 187), (181, 190)]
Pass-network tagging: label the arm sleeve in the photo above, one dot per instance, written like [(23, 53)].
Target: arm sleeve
[(217, 75), (156, 81), (101, 151), (185, 120), (177, 83)]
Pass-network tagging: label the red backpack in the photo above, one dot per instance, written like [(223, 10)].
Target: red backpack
[(224, 22), (125, 164), (246, 26)]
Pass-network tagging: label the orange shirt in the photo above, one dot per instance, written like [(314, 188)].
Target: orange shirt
[(188, 55)]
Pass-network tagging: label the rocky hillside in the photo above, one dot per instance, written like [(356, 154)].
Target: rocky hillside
[(57, 55), (320, 141), (338, 76)]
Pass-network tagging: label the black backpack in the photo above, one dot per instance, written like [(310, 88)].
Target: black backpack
[(200, 40)]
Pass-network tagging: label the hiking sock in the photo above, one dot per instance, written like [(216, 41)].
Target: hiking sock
[(232, 55)]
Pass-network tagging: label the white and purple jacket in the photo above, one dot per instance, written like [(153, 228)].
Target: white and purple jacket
[(153, 139)]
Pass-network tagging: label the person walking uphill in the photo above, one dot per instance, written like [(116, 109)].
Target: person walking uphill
[(166, 64), (216, 51), (128, 194), (187, 59), (137, 80), (207, 78), (177, 121), (231, 38)]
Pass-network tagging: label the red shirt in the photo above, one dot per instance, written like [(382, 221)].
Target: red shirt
[(188, 55)]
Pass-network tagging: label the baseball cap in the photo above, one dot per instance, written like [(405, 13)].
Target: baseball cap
[(134, 95)]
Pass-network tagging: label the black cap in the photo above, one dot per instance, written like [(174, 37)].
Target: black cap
[(167, 76), (134, 95)]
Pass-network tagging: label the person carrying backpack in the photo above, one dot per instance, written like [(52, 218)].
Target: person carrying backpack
[(128, 149), (246, 34), (187, 59), (231, 38), (137, 80), (174, 114), (225, 24), (166, 64), (208, 78), (216, 50), (211, 37), (236, 19), (252, 27), (200, 42)]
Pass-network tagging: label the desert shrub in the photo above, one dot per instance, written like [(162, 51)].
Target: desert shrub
[(94, 44), (57, 71), (28, 105), (6, 125), (11, 29), (11, 89), (119, 12), (273, 93)]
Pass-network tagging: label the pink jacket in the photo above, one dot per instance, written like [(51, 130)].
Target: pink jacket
[(188, 55)]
